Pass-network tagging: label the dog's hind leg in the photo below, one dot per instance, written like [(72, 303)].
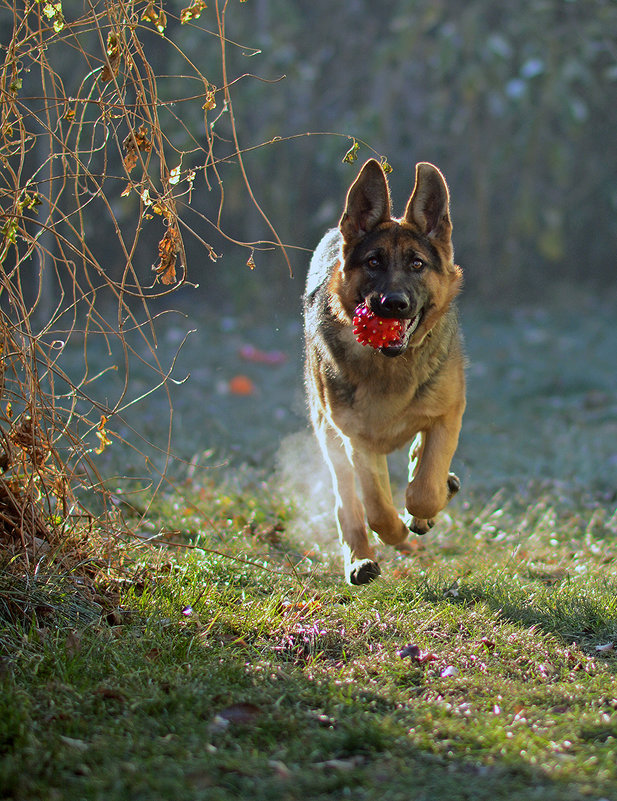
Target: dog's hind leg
[(359, 556), (383, 519)]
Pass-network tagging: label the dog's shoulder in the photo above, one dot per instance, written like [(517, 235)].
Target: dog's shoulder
[(326, 256)]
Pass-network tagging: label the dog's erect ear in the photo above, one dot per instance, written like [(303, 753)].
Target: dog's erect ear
[(429, 205), (368, 202)]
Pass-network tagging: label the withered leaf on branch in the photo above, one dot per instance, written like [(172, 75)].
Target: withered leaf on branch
[(110, 70), (133, 143), (210, 97), (156, 16), (103, 436), (193, 11), (169, 247), (352, 153), (27, 435)]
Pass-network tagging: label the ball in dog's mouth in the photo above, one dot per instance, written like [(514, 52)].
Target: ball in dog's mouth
[(388, 334)]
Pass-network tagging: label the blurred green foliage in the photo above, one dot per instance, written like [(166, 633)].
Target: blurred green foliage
[(517, 103)]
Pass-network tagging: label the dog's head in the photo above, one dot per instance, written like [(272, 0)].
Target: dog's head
[(401, 268)]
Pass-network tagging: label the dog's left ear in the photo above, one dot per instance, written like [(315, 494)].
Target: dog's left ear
[(368, 202), (429, 205)]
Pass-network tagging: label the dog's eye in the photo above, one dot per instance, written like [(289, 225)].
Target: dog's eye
[(417, 263), (374, 262)]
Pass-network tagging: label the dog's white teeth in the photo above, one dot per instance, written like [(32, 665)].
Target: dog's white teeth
[(413, 324)]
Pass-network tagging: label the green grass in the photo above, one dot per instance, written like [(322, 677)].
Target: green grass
[(237, 663), (280, 682)]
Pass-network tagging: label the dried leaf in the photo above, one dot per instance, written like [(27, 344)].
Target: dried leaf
[(352, 153), (341, 764), (452, 590), (210, 102), (240, 713), (156, 16), (134, 142), (412, 651), (78, 745), (193, 11), (130, 159), (101, 433), (169, 247), (53, 12), (111, 68)]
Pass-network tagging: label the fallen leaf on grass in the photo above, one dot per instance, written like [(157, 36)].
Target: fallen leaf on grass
[(237, 714), (79, 745), (452, 590), (280, 768), (414, 652), (340, 764), (609, 646), (299, 608), (111, 693), (449, 671), (240, 713), (410, 650)]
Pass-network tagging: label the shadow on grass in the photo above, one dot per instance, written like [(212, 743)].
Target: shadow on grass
[(575, 613), (291, 736)]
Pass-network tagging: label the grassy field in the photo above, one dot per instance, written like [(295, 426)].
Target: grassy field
[(236, 663)]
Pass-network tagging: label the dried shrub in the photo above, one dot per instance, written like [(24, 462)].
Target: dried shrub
[(92, 157)]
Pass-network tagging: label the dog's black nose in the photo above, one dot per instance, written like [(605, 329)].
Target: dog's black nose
[(395, 304)]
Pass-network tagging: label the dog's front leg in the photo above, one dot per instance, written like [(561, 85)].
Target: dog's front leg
[(359, 557), (383, 519), (431, 484)]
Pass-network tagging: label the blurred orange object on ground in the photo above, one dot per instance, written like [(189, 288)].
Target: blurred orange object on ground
[(241, 385)]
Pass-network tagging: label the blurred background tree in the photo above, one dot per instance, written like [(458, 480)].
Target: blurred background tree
[(516, 103)]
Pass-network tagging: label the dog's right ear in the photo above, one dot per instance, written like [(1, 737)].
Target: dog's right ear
[(368, 202)]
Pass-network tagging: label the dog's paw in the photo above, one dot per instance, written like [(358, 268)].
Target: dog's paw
[(363, 571), (454, 485), (418, 525)]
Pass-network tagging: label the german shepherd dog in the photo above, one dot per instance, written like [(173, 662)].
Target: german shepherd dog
[(368, 401)]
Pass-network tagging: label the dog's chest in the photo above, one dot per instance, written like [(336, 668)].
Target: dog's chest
[(383, 421)]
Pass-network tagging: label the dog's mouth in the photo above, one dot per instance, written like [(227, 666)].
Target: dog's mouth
[(390, 335), (397, 347)]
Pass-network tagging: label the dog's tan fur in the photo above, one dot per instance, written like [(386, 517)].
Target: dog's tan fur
[(365, 403)]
